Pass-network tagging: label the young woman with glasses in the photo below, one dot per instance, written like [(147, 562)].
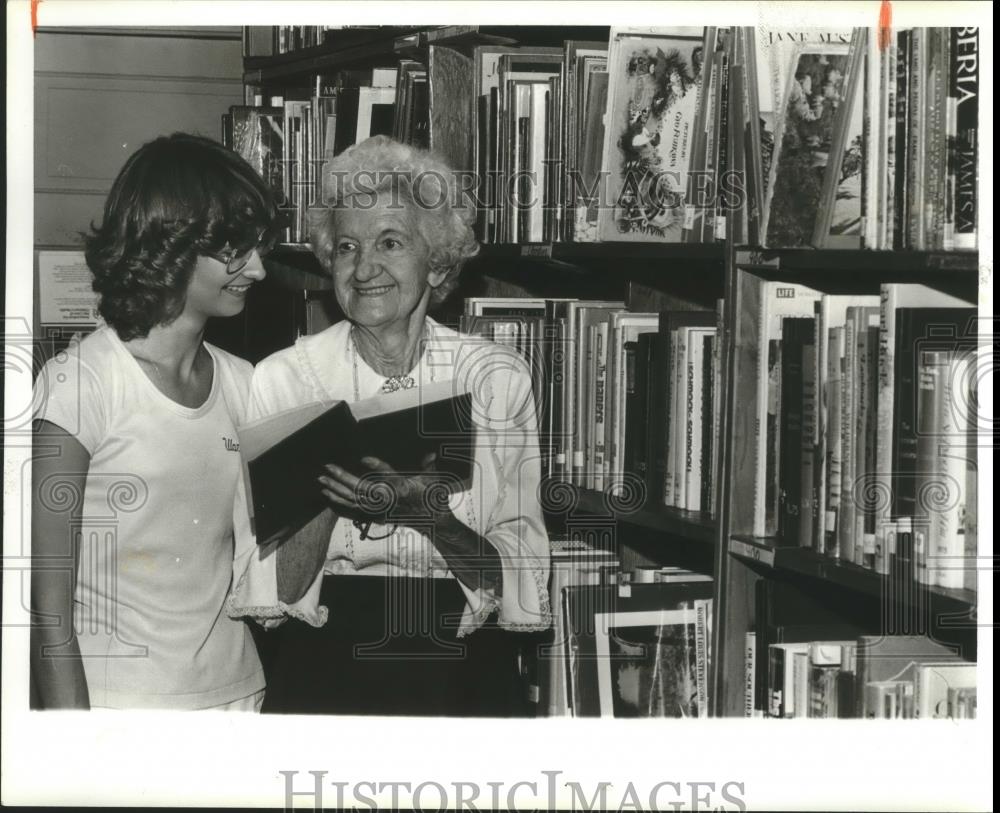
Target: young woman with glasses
[(137, 466)]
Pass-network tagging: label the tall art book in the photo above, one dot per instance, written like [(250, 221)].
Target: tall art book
[(284, 454)]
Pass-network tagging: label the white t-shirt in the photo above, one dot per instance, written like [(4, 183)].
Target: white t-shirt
[(156, 557), (502, 504)]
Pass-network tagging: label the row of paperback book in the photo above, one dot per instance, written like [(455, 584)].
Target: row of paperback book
[(871, 677), (836, 141), (632, 643), (624, 399), (865, 427)]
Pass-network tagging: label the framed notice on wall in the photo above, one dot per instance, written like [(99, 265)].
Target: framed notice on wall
[(65, 296)]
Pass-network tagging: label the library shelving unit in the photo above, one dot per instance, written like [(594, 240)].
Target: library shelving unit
[(881, 603), (722, 544)]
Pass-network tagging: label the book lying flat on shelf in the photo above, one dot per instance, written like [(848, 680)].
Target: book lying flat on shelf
[(285, 453)]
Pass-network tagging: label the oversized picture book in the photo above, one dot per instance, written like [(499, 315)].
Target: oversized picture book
[(285, 453), (639, 650)]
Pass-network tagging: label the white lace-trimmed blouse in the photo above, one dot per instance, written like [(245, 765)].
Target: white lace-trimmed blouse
[(502, 504)]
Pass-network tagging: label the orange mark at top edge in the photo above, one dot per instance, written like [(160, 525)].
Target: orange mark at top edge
[(34, 16), (884, 25)]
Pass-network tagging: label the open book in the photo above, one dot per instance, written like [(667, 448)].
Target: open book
[(284, 454)]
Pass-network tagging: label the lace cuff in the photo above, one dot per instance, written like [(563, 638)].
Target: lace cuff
[(533, 617), (524, 607), (255, 595)]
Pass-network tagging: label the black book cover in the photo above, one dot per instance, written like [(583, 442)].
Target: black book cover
[(795, 334), (483, 184), (707, 425), (419, 127), (637, 357), (282, 478), (347, 118), (382, 116), (657, 399)]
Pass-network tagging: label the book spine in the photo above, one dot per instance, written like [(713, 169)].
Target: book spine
[(571, 352), (834, 438), (553, 360), (776, 700), (913, 325), (948, 521), (789, 422), (799, 701), (869, 172), (914, 194), (807, 448), (847, 681), (583, 401), (822, 691), (614, 393), (702, 633), (849, 401), (889, 139), (630, 457), (749, 675), (863, 547), (885, 403), (964, 81), (722, 164), (934, 135), (639, 424), (681, 394), (821, 407), (657, 410), (870, 498), (929, 426), (695, 214), (902, 129), (589, 400), (717, 404), (773, 440), (670, 419), (693, 420), (692, 208), (600, 403), (707, 423), (970, 563), (759, 419)]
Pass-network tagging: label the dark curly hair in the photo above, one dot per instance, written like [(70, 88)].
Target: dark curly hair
[(177, 198)]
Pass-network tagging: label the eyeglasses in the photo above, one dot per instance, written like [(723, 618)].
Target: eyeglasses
[(236, 262)]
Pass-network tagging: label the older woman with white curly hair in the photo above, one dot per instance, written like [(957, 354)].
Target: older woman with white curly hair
[(420, 615)]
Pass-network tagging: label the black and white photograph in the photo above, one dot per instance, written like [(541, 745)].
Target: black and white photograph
[(402, 400)]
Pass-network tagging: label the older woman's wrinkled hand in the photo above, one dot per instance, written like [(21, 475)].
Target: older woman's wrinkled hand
[(383, 494)]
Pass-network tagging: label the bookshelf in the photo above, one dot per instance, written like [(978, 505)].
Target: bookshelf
[(724, 542), (742, 559)]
